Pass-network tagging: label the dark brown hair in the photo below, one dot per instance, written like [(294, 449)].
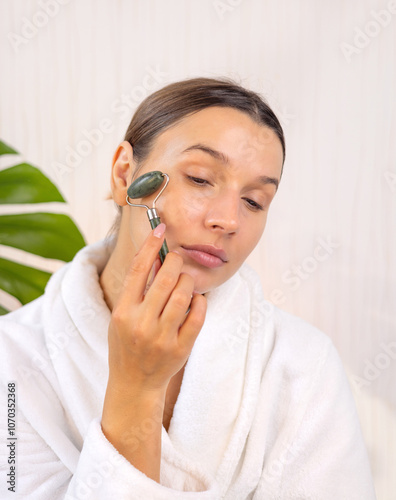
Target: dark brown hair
[(167, 106)]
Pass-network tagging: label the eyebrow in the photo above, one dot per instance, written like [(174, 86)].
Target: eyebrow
[(219, 156)]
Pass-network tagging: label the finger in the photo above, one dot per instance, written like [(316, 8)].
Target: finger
[(193, 323), (153, 273), (164, 283), (174, 312), (138, 272)]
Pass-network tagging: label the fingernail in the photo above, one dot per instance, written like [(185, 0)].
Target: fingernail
[(159, 230)]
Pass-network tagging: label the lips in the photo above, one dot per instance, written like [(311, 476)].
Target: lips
[(206, 255)]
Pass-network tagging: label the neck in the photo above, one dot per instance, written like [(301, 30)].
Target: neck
[(113, 275), (109, 283)]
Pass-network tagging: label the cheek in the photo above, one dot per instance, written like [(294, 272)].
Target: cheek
[(183, 209), (139, 226)]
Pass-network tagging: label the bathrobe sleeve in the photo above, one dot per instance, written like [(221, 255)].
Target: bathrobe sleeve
[(101, 472), (324, 456)]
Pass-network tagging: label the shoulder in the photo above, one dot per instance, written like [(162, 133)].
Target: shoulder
[(24, 353), (305, 366), (295, 331), (21, 338), (22, 324), (297, 344), (302, 349)]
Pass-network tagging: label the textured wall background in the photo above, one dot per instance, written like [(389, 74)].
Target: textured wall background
[(72, 73)]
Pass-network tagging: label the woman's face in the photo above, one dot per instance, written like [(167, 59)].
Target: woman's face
[(223, 169)]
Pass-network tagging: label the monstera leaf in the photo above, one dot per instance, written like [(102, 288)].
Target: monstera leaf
[(50, 235)]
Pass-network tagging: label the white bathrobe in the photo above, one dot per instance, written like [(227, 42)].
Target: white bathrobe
[(264, 411)]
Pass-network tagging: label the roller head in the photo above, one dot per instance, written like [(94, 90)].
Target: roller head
[(145, 185)]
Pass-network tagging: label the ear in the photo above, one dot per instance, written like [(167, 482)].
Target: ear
[(121, 172)]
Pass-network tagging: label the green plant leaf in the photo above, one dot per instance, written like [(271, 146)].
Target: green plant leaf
[(6, 150), (24, 183), (49, 235), (3, 310), (23, 282), (54, 236)]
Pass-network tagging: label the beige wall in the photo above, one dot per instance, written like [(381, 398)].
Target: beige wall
[(67, 72)]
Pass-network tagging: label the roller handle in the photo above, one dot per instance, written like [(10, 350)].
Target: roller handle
[(164, 249)]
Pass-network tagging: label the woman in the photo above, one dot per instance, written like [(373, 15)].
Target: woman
[(122, 393)]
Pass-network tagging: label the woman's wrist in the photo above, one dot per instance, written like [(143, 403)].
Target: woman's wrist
[(121, 407), (132, 423)]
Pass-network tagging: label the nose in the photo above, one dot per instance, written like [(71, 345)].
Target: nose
[(223, 214)]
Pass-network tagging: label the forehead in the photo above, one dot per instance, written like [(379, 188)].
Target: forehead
[(227, 130)]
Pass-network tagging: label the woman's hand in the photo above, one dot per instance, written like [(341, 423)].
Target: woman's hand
[(150, 339)]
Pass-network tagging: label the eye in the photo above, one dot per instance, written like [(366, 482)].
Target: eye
[(253, 205), (197, 180)]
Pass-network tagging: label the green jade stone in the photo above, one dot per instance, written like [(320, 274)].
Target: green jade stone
[(145, 185)]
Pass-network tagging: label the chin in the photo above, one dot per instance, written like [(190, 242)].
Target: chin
[(207, 279), (203, 290), (203, 286)]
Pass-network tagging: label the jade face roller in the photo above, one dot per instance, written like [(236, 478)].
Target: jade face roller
[(145, 185)]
